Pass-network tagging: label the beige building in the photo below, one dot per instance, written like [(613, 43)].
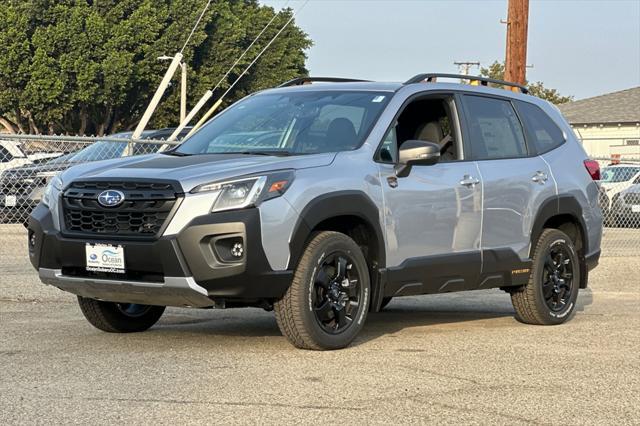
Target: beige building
[(608, 125)]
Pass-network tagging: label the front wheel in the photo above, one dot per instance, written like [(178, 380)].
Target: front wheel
[(115, 317), (550, 295), (326, 305)]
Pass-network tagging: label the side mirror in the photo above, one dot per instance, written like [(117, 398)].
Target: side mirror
[(416, 152)]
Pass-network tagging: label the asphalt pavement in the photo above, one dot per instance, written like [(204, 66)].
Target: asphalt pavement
[(446, 359)]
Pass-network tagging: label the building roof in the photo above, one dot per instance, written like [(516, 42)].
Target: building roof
[(616, 107)]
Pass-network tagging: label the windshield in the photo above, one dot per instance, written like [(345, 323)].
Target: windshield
[(290, 123), (619, 174)]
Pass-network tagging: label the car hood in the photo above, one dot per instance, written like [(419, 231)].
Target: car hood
[(192, 170)]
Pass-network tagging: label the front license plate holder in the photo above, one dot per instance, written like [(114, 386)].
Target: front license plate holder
[(105, 258)]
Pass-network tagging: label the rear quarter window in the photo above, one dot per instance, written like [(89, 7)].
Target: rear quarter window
[(542, 132)]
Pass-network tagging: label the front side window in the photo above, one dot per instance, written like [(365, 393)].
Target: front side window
[(545, 134), (290, 123), (494, 128), (428, 119)]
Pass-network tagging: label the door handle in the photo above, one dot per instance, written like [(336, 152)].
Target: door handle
[(469, 181), (540, 177)]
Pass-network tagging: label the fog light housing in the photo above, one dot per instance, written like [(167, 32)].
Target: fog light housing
[(32, 241), (230, 249)]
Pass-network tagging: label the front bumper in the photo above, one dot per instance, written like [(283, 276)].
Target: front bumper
[(181, 270)]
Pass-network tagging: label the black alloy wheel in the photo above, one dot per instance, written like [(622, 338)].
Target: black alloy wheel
[(557, 278), (336, 292)]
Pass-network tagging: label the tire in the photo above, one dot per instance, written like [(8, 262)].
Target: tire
[(548, 298), (385, 302), (119, 317), (312, 315)]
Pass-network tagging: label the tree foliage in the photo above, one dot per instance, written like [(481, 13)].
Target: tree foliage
[(90, 66), (496, 70)]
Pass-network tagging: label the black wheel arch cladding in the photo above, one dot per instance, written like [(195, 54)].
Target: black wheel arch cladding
[(335, 205), (555, 210), (555, 207)]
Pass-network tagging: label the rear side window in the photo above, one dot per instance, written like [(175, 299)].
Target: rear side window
[(542, 131), (494, 129)]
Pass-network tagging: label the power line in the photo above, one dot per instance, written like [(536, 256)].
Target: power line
[(193, 30)]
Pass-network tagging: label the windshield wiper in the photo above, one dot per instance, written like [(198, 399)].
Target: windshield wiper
[(176, 153)]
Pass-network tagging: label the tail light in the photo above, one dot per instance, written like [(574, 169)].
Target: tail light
[(593, 167)]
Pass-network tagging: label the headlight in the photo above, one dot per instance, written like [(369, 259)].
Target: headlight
[(246, 192), (51, 191)]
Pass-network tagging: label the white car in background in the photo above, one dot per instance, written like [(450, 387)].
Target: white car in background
[(615, 179), (11, 155)]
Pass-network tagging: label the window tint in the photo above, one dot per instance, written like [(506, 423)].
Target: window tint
[(494, 129), (5, 155), (541, 129)]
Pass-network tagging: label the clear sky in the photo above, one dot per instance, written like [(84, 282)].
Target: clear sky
[(582, 48)]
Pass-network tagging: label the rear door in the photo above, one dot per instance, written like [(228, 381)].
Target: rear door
[(515, 183)]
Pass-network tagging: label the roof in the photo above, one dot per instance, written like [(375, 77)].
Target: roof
[(616, 107)]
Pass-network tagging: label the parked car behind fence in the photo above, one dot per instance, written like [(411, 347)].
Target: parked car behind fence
[(24, 178)]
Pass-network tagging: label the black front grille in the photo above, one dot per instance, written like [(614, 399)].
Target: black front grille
[(146, 208)]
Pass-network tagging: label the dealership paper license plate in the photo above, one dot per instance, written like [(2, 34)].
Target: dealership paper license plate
[(105, 258), (635, 208)]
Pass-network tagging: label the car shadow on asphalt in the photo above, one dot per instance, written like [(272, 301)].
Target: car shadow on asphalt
[(438, 311)]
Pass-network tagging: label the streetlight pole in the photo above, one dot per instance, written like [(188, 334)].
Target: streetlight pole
[(183, 87), (183, 92)]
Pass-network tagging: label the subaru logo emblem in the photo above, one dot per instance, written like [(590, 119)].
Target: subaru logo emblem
[(110, 198)]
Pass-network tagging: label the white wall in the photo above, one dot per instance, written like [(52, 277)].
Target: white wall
[(608, 140)]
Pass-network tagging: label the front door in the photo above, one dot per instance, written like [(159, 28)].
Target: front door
[(432, 216)]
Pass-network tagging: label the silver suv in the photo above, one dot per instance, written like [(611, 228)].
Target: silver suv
[(322, 199)]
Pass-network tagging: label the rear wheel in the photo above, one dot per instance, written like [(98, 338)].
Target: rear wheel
[(119, 317), (327, 302), (550, 295)]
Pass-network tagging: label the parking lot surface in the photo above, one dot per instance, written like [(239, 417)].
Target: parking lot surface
[(446, 359)]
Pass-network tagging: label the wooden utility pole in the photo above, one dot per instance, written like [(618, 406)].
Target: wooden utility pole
[(516, 57)]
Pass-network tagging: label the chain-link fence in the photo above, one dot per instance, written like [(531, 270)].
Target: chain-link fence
[(28, 163), (620, 203)]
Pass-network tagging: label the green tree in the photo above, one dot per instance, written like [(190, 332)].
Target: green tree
[(90, 66), (496, 70)]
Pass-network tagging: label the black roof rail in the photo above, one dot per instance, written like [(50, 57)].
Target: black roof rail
[(484, 81), (304, 80)]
